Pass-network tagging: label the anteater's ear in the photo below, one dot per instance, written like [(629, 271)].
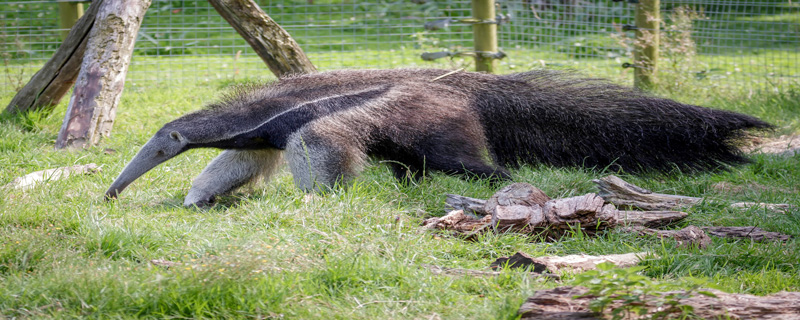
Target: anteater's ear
[(175, 135)]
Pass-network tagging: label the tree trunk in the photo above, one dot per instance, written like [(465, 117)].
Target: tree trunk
[(49, 84), (273, 44), (92, 108)]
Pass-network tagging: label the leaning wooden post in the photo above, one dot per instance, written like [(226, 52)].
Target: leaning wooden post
[(56, 77), (645, 55), (92, 107), (274, 45), (484, 33)]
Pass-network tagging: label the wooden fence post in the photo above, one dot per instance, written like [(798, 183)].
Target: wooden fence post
[(645, 55), (485, 35), (69, 11)]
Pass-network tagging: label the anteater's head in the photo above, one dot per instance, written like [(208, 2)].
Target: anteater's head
[(164, 145)]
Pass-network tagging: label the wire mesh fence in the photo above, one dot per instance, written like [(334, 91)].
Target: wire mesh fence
[(739, 43)]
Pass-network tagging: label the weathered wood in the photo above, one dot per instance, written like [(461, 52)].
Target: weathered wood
[(568, 303), (56, 77), (32, 179), (273, 44), (92, 108), (481, 273), (626, 195), (518, 204), (686, 237), (522, 207), (576, 262), (457, 221), (469, 205), (753, 233)]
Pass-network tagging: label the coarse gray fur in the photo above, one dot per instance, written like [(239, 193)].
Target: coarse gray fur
[(328, 124)]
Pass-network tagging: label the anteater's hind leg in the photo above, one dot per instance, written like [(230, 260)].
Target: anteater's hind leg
[(406, 173), (462, 154), (474, 168), (318, 164), (230, 170)]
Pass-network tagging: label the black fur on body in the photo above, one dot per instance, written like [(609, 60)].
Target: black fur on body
[(422, 120)]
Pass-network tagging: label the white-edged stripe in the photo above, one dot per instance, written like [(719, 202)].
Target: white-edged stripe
[(289, 110)]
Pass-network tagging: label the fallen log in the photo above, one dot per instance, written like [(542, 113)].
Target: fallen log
[(629, 196), (568, 303), (524, 208), (575, 262)]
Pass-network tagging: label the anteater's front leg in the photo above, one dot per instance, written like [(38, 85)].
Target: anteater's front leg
[(230, 170)]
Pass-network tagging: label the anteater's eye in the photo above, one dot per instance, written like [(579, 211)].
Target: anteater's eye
[(159, 153)]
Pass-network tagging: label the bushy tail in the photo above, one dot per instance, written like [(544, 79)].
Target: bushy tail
[(562, 119)]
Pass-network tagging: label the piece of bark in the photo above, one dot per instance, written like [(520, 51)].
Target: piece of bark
[(753, 233), (272, 43), (480, 273), (32, 179), (457, 221), (577, 262), (625, 195), (649, 219), (56, 77), (686, 237), (523, 194), (92, 108), (518, 204), (469, 205), (569, 303)]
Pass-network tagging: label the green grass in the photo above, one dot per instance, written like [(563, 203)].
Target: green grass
[(274, 251)]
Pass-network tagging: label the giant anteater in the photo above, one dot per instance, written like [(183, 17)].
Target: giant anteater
[(328, 124)]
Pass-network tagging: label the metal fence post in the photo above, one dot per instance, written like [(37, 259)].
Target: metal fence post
[(485, 35), (69, 11), (645, 55)]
